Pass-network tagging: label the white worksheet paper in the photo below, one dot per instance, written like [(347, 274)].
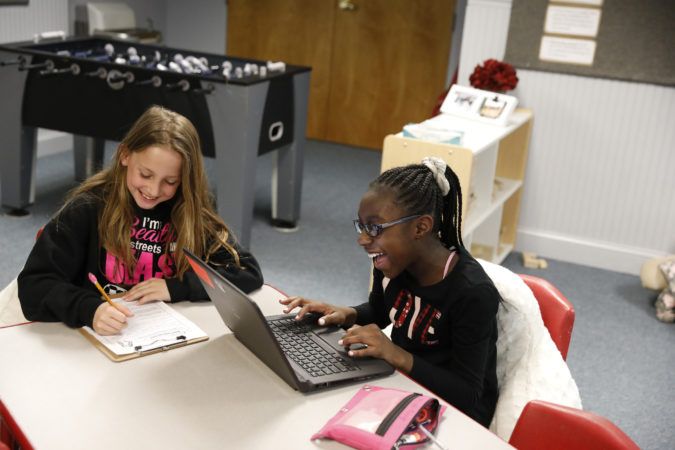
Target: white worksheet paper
[(153, 325)]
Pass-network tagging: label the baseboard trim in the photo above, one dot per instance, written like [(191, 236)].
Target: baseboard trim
[(51, 142), (602, 255)]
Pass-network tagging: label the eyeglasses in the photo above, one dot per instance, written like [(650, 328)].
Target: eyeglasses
[(374, 230)]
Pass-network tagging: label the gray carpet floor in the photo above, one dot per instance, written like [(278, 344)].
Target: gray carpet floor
[(621, 357)]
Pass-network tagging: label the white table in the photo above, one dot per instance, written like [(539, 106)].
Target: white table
[(65, 394)]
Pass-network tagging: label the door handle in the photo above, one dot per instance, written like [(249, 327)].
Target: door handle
[(346, 5)]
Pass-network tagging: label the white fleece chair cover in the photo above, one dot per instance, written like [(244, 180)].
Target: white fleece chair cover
[(10, 309), (529, 365)]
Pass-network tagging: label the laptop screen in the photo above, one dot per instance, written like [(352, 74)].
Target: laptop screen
[(244, 318)]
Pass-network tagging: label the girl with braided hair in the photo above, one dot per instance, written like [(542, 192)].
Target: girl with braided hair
[(441, 304)]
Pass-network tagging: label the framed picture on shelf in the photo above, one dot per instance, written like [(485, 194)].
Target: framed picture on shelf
[(465, 101), (485, 106)]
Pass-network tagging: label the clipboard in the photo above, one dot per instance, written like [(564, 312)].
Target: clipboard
[(137, 354), (158, 328)]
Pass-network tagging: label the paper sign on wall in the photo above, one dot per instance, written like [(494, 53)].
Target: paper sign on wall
[(567, 50)]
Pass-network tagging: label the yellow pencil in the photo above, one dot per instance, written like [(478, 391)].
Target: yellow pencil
[(93, 279)]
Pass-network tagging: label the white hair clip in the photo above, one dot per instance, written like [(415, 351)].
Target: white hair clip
[(437, 167)]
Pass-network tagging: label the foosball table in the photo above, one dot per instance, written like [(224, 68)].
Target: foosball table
[(96, 88)]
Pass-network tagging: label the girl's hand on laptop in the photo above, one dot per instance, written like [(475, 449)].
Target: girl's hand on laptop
[(330, 314), (152, 290), (369, 341)]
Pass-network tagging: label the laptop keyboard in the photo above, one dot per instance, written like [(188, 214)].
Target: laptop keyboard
[(296, 342)]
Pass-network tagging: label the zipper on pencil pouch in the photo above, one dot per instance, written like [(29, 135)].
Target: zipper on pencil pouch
[(394, 413)]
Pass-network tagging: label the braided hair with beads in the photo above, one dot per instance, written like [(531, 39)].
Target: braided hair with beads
[(418, 189)]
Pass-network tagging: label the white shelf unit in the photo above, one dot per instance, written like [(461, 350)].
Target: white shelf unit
[(490, 165)]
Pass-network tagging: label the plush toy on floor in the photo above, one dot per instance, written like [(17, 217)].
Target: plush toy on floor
[(660, 274)]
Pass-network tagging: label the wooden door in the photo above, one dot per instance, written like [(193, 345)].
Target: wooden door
[(390, 59), (294, 31), (376, 64)]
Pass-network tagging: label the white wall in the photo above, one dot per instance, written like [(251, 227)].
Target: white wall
[(155, 10), (21, 23), (600, 183), (197, 25)]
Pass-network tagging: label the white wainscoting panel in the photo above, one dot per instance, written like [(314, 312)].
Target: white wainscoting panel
[(486, 25), (601, 169), (600, 183)]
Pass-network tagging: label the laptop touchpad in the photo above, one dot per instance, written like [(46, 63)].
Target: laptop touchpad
[(332, 335)]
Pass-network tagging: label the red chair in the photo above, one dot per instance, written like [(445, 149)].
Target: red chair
[(556, 311), (544, 425), (11, 435)]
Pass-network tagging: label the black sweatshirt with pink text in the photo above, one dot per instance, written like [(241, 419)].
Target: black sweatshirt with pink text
[(450, 328), (54, 284)]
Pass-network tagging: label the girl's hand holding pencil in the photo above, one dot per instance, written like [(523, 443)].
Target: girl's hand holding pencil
[(110, 317)]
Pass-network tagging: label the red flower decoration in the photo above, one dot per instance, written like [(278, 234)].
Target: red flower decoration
[(494, 76)]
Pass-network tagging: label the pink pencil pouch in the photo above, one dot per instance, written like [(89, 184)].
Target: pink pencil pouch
[(383, 418)]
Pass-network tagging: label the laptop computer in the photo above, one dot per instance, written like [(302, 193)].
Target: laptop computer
[(304, 354)]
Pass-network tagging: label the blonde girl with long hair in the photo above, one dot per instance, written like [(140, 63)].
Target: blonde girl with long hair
[(128, 225)]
